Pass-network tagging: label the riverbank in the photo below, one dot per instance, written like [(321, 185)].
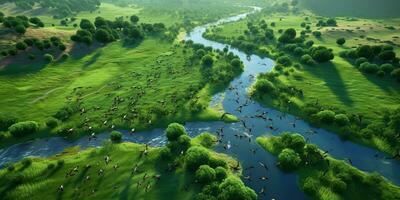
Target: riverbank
[(323, 177)]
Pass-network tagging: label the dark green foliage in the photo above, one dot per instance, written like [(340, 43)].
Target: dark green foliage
[(103, 35), (134, 19), (233, 189), (236, 63), (100, 22), (207, 60), (288, 36), (369, 68), (321, 54), (264, 86), (307, 59), (23, 128), (20, 29), (289, 160), (26, 162), (86, 25), (387, 68), (326, 116), (220, 173), (365, 51), (205, 174), (195, 157), (116, 136), (36, 21), (342, 120), (317, 34), (360, 61), (387, 55), (396, 74), (48, 57), (340, 41), (52, 123), (284, 60), (6, 122), (21, 46), (174, 131)]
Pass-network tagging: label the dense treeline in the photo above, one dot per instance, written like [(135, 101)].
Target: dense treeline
[(379, 59), (62, 8)]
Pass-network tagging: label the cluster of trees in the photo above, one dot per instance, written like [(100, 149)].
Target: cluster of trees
[(62, 8), (20, 23), (379, 59), (105, 31), (294, 153), (328, 22), (212, 72), (42, 45), (210, 172)]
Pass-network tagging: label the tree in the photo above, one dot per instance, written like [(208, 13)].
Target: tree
[(342, 120), (331, 22), (23, 128), (326, 116), (21, 46), (100, 22), (289, 160), (220, 173), (387, 55), (207, 60), (36, 21), (20, 29), (264, 86), (174, 131), (288, 36), (205, 174), (134, 19), (233, 188), (48, 57), (103, 36), (365, 51), (6, 122), (396, 74), (195, 157), (86, 25), (116, 136), (284, 60), (321, 54), (341, 41)]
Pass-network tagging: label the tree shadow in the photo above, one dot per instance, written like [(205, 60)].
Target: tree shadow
[(386, 83), (80, 50), (92, 60), (329, 73)]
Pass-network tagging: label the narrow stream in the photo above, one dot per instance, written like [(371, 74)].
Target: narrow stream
[(279, 185)]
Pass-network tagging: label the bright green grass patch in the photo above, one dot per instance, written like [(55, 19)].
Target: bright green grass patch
[(336, 180)]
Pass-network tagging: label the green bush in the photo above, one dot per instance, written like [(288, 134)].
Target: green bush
[(342, 120), (52, 123), (26, 162), (220, 173), (165, 153), (289, 160), (307, 59), (369, 68), (360, 61), (396, 74), (205, 174), (195, 157), (21, 46), (207, 60), (116, 136), (233, 188), (264, 86), (6, 122), (48, 57), (310, 186), (321, 54), (340, 41), (387, 68), (23, 128), (326, 116), (284, 60), (174, 131)]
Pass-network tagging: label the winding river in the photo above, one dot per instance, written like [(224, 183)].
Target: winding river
[(279, 185)]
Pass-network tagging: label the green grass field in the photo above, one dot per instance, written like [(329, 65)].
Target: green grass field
[(336, 180), (337, 83), (153, 83), (120, 179)]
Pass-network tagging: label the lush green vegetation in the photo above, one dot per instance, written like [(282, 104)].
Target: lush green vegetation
[(125, 170), (314, 73), (323, 177)]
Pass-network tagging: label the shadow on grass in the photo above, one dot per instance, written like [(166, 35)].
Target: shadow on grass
[(386, 83), (329, 73)]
